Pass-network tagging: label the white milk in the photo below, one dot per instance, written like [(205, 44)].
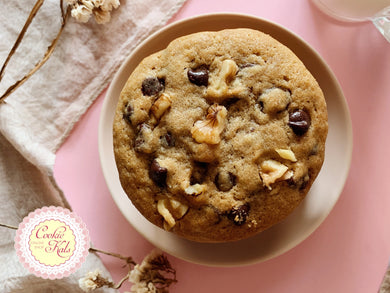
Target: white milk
[(352, 10), (378, 11)]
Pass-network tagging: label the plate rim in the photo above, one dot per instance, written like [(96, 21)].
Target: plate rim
[(203, 17)]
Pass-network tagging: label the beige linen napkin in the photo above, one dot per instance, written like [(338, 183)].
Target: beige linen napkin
[(385, 285), (38, 116)]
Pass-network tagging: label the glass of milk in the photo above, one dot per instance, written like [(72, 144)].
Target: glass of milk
[(377, 11)]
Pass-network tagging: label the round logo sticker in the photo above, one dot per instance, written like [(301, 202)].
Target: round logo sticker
[(52, 242)]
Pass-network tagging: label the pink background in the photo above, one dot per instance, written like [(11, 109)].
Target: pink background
[(350, 250)]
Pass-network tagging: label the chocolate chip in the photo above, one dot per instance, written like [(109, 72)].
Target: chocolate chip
[(314, 151), (239, 214), (299, 121), (299, 183), (158, 174), (127, 113), (225, 180), (246, 65), (144, 135), (290, 181), (167, 140), (199, 172), (199, 76), (261, 104), (152, 86), (303, 185), (304, 182), (229, 102)]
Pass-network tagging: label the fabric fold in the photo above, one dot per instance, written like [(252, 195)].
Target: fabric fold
[(36, 119)]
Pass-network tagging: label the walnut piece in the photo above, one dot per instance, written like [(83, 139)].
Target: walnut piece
[(275, 100), (286, 154), (219, 86), (163, 211), (195, 189), (160, 106), (288, 175), (178, 208), (171, 210), (270, 171), (210, 129)]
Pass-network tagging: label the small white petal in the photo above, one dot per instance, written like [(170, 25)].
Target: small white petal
[(89, 4), (107, 5), (87, 284), (101, 16), (81, 13)]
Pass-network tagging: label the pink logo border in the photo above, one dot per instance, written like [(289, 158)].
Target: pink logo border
[(78, 228)]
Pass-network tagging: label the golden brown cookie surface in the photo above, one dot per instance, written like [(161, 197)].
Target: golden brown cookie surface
[(220, 135)]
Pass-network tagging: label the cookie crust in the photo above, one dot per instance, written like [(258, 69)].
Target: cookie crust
[(220, 135)]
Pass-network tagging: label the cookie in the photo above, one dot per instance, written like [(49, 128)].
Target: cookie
[(220, 135)]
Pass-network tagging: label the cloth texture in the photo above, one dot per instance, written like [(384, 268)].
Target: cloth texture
[(36, 119), (385, 285)]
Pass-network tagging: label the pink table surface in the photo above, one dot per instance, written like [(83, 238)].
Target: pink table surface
[(350, 250)]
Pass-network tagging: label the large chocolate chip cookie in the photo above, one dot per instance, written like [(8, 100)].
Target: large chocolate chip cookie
[(220, 135)]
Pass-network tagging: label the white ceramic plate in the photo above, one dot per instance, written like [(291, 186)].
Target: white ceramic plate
[(323, 194)]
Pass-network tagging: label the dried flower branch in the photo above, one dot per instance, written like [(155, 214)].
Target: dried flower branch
[(8, 226), (154, 275), (47, 54), (33, 12), (81, 10), (129, 260), (94, 280)]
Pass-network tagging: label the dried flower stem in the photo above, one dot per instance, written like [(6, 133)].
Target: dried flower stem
[(129, 260), (120, 283), (46, 56), (8, 226), (33, 12), (153, 269)]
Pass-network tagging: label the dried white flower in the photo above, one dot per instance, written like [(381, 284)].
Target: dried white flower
[(107, 5), (101, 16), (135, 274), (154, 275), (82, 10), (92, 281), (149, 259), (154, 268), (87, 283), (89, 4)]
